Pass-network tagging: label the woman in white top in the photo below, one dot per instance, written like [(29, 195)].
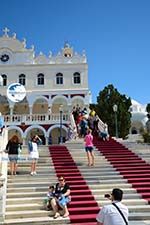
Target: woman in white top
[(34, 153)]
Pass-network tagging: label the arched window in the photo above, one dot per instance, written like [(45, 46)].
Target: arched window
[(40, 79), (59, 78), (76, 78), (4, 79), (22, 79)]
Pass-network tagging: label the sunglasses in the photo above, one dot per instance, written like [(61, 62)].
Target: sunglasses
[(61, 179)]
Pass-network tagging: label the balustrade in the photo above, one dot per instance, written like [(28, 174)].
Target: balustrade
[(3, 173), (30, 119)]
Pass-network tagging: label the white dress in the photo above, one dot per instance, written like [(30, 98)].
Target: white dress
[(34, 154)]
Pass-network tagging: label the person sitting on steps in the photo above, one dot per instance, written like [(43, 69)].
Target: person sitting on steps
[(62, 198), (50, 195)]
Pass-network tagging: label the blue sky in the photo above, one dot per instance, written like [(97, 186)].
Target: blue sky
[(114, 33)]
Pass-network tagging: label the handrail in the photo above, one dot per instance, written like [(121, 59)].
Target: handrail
[(102, 126), (3, 173), (73, 128)]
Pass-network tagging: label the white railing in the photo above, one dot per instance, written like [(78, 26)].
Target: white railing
[(3, 173), (34, 118), (102, 126), (73, 128)]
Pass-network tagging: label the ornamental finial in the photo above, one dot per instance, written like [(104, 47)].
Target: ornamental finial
[(83, 52), (32, 47), (5, 31), (24, 42), (50, 54), (14, 35), (66, 44)]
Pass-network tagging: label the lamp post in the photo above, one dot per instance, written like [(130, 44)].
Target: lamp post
[(60, 113), (115, 109)]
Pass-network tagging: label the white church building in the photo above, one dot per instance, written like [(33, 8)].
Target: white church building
[(139, 117), (54, 84)]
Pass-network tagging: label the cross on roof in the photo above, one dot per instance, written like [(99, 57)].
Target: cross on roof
[(6, 30)]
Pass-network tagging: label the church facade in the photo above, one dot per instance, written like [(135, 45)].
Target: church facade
[(139, 117), (54, 85)]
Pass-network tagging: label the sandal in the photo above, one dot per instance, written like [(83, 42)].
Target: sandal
[(65, 215), (56, 215)]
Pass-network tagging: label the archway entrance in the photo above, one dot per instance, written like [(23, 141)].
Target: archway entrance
[(13, 132), (54, 136), (36, 131)]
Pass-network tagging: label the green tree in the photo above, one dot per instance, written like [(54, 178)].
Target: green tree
[(148, 108), (148, 116), (105, 101)]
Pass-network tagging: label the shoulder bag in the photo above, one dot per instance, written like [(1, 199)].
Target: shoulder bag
[(120, 213)]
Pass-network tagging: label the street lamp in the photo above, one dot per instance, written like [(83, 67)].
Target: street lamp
[(60, 113), (115, 109)]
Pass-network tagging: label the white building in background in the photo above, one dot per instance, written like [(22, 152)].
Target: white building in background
[(139, 117), (53, 82)]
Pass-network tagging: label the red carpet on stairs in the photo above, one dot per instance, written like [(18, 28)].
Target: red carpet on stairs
[(130, 165), (83, 208)]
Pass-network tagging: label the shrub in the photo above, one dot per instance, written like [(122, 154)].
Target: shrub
[(146, 137)]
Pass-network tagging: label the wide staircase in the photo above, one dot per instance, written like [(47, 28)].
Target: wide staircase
[(141, 149), (115, 166), (25, 193)]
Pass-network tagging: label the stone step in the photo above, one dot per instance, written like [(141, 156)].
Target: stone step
[(43, 194), (45, 189), (27, 166), (139, 208), (21, 173), (62, 221), (25, 194), (34, 178), (39, 200), (40, 206), (30, 184), (27, 213), (38, 221), (21, 207), (143, 222), (49, 177), (37, 182), (27, 176), (91, 185), (139, 216)]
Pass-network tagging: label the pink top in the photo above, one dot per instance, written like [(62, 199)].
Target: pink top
[(88, 140)]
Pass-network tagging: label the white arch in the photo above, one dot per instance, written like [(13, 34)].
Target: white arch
[(56, 126), (40, 97), (34, 127), (59, 97), (76, 98), (33, 98), (16, 128)]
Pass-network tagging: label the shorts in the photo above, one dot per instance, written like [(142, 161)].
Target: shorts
[(88, 148), (64, 200), (103, 135), (13, 158)]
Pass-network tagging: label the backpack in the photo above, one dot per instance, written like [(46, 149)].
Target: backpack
[(30, 147)]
